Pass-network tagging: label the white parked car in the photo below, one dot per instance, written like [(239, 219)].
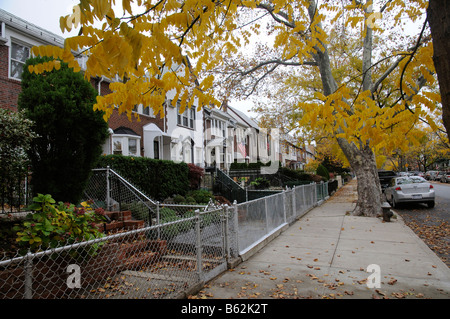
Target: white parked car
[(445, 178), (410, 189)]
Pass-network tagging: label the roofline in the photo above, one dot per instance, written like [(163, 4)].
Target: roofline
[(245, 120), (29, 28)]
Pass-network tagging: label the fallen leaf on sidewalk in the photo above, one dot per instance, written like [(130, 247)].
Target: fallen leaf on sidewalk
[(398, 295), (392, 281), (312, 276)]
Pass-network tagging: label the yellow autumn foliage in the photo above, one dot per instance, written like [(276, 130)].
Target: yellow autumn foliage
[(153, 47)]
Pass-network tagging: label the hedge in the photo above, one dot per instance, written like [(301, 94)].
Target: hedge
[(158, 179), (246, 166)]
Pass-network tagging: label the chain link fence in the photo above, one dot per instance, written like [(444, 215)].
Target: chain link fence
[(108, 190), (159, 261), (259, 218), (149, 249)]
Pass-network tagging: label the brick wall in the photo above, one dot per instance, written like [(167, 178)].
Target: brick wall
[(9, 88)]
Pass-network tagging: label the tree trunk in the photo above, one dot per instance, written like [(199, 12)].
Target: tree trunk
[(362, 159), (438, 15), (363, 164)]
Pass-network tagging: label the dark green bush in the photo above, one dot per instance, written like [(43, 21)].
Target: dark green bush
[(190, 200), (178, 199), (260, 183), (71, 133), (322, 171), (295, 174), (158, 179), (244, 166), (201, 196)]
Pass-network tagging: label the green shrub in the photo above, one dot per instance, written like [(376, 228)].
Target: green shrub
[(178, 199), (158, 179), (322, 171), (260, 183), (167, 215), (71, 133), (190, 200), (201, 196), (188, 224), (295, 174), (244, 166), (54, 224)]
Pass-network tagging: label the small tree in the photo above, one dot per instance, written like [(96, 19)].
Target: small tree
[(71, 133), (322, 171), (15, 138)]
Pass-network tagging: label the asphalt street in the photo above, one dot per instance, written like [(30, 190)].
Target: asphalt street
[(432, 225)]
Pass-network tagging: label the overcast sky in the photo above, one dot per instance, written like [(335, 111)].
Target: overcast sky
[(46, 14), (43, 13)]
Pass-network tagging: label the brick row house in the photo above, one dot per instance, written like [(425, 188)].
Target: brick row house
[(151, 136), (205, 137)]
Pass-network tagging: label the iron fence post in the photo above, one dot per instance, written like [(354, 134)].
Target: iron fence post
[(226, 234), (314, 195), (157, 220), (198, 244), (29, 276), (108, 191), (267, 215), (294, 209), (236, 229)]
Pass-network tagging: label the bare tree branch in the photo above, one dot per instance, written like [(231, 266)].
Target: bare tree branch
[(277, 62)]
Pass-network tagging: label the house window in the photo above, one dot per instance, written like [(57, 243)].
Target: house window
[(187, 118), (19, 54), (126, 142), (117, 147), (132, 146), (192, 117)]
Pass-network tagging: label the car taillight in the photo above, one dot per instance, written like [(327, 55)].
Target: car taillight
[(431, 186), (398, 189)]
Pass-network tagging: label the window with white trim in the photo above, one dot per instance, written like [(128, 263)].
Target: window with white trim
[(132, 146), (127, 145), (187, 118), (18, 55)]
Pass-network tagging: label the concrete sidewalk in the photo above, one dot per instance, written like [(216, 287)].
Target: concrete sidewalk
[(326, 254)]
